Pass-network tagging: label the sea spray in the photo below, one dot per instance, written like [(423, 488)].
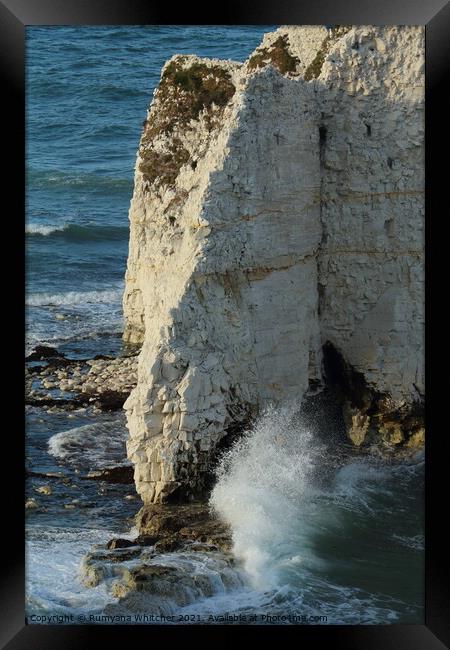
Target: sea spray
[(309, 521), (261, 483)]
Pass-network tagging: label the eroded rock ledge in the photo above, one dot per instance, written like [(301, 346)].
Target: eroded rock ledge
[(141, 573), (278, 207)]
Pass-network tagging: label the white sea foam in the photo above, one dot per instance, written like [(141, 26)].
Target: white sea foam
[(53, 557), (98, 445), (74, 298), (45, 230), (282, 493), (79, 232), (262, 483)]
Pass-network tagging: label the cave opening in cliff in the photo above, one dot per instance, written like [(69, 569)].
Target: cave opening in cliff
[(342, 377), (322, 144)]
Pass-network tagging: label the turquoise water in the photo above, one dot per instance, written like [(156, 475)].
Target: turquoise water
[(318, 530)]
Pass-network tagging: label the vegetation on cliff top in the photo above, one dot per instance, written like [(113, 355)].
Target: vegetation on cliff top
[(183, 93), (276, 54), (315, 67), (187, 91)]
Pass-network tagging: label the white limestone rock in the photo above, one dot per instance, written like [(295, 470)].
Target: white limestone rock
[(277, 205)]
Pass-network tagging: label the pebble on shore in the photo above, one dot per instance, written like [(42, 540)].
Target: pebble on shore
[(44, 489)]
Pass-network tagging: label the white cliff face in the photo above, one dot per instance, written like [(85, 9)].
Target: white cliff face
[(371, 261), (278, 205)]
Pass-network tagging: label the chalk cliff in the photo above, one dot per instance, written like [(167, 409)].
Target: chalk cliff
[(277, 217)]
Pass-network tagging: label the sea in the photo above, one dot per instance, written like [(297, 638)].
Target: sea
[(322, 534)]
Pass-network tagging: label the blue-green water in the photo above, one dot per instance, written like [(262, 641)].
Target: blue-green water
[(88, 90), (318, 531)]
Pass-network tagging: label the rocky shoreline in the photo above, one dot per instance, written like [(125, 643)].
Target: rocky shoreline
[(139, 572), (54, 381)]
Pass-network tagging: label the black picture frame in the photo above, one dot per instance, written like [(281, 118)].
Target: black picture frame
[(15, 16)]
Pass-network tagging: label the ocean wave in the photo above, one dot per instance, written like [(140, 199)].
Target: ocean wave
[(292, 513), (44, 230), (93, 341), (53, 587), (98, 445), (415, 542), (85, 180), (76, 232), (358, 484), (74, 298)]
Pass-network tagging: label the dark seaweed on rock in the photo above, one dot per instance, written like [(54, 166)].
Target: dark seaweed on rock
[(315, 67), (183, 93), (368, 414), (44, 352), (277, 55)]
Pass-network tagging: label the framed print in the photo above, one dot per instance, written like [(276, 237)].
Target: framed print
[(224, 279)]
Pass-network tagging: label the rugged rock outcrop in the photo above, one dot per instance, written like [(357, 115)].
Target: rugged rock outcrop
[(144, 575), (277, 208)]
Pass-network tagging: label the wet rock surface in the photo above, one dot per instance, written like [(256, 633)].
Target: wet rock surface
[(120, 474), (119, 543), (175, 526), (59, 382), (155, 570), (373, 419), (42, 352)]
